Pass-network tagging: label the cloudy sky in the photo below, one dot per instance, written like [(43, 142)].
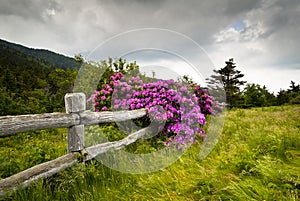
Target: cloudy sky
[(261, 35)]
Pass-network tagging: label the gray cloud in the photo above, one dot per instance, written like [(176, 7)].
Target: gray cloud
[(268, 40), (28, 9), (80, 20), (280, 22)]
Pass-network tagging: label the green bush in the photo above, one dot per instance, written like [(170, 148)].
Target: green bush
[(295, 100)]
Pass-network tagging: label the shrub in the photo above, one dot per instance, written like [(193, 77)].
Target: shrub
[(177, 109)]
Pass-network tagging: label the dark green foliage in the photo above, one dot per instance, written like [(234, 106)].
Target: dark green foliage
[(108, 68), (59, 82), (256, 96), (188, 80), (228, 79), (46, 56), (112, 66), (290, 96), (29, 85), (283, 97), (95, 75), (294, 88)]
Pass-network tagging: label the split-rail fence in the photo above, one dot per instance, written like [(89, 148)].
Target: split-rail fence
[(75, 118)]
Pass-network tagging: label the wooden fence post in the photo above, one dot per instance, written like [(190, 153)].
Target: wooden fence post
[(75, 103)]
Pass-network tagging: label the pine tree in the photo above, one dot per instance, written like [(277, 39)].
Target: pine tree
[(227, 79)]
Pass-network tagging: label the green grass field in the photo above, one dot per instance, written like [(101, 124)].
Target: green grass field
[(257, 158)]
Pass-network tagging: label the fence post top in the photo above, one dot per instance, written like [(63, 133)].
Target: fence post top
[(75, 102)]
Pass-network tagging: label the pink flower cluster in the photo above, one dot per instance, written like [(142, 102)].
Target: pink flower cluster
[(180, 107)]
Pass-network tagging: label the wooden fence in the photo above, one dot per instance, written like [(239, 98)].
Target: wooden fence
[(75, 118)]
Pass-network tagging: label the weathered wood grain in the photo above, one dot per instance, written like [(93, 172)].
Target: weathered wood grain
[(74, 103), (10, 125), (30, 175), (95, 150), (91, 118)]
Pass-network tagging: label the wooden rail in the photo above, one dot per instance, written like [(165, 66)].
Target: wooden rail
[(75, 118), (12, 125), (46, 169)]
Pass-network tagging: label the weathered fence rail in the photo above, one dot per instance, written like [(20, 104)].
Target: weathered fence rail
[(12, 125), (75, 118)]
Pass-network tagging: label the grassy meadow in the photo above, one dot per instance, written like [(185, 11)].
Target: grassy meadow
[(257, 158)]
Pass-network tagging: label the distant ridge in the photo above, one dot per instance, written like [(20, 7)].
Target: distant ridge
[(52, 58)]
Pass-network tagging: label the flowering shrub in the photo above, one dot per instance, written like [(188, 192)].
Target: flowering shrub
[(205, 101), (178, 108)]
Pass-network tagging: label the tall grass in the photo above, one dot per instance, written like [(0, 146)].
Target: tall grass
[(257, 158), (22, 151)]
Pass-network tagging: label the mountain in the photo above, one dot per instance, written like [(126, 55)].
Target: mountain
[(30, 83), (46, 56)]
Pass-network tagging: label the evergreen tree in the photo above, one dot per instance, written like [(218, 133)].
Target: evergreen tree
[(289, 96), (227, 79), (294, 88)]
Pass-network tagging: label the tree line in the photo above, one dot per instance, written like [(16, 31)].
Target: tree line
[(31, 85), (229, 81)]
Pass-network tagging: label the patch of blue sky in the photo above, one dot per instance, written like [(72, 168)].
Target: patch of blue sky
[(239, 25)]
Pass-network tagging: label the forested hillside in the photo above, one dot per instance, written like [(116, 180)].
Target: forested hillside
[(46, 56), (29, 84)]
